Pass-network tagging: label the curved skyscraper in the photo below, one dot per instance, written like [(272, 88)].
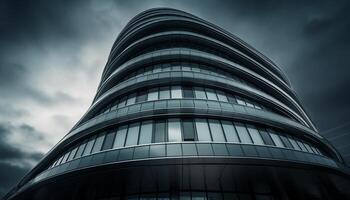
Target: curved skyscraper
[(186, 110)]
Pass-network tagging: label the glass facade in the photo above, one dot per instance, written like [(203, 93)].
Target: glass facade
[(180, 92), (186, 129)]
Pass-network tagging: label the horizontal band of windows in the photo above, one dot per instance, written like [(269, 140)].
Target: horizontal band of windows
[(200, 78), (204, 56), (175, 67), (177, 130), (278, 92), (188, 107), (179, 92), (221, 50), (186, 149), (224, 36)]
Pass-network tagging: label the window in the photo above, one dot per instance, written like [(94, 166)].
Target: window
[(174, 130), (255, 135), (188, 130), (98, 143), (266, 137), (249, 104), (211, 94), (240, 101), (301, 145), (152, 94), (133, 134), (164, 93), (88, 147), (146, 132), (108, 143), (308, 148), (72, 154), (216, 131), (122, 102), (276, 139), (141, 97), (80, 150), (286, 142), (159, 133), (230, 131), (176, 92), (202, 130), (294, 144), (131, 99), (120, 137), (186, 68), (65, 157), (231, 98), (187, 92), (221, 96), (243, 133), (199, 92)]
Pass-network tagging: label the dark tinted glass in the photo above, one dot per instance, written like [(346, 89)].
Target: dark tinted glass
[(188, 92), (188, 130), (142, 96), (108, 143), (159, 134), (266, 137)]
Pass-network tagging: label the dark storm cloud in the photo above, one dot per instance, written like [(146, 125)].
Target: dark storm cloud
[(14, 162)]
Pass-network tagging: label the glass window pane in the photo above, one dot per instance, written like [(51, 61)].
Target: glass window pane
[(188, 92), (176, 92), (188, 130), (133, 134), (152, 94), (286, 142), (174, 130), (120, 137), (122, 102), (199, 92), (80, 150), (249, 104), (216, 131), (211, 94), (108, 143), (308, 148), (65, 157), (88, 147), (131, 100), (141, 97), (231, 98), (266, 137), (146, 132), (202, 130), (159, 133), (255, 135), (315, 150), (98, 143), (230, 131), (221, 96), (240, 101), (164, 93), (294, 144), (72, 154), (276, 139), (301, 145), (243, 133)]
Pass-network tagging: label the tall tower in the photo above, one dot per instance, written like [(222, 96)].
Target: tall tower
[(186, 110)]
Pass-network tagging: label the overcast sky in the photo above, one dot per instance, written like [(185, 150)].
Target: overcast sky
[(52, 54)]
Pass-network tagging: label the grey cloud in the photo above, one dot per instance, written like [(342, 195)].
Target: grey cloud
[(11, 157)]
